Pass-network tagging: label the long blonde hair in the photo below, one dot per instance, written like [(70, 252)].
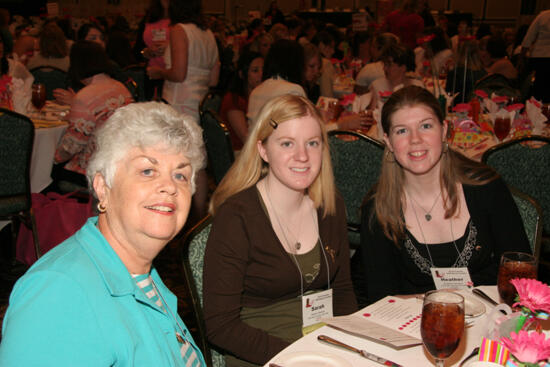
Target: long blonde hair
[(389, 192), (249, 167)]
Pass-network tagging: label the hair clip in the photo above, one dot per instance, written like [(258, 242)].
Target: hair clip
[(273, 123)]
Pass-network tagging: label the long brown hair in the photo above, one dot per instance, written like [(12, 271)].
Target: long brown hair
[(249, 167), (388, 195)]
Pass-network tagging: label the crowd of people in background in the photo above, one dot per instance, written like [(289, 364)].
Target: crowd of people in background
[(270, 73)]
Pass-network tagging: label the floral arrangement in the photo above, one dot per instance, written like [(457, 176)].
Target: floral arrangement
[(462, 110), (481, 93), (500, 100), (529, 348)]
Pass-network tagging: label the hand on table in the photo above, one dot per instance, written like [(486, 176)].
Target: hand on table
[(356, 121), (64, 96)]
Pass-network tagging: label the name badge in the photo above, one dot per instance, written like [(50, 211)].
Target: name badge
[(158, 34), (316, 306), (457, 278)]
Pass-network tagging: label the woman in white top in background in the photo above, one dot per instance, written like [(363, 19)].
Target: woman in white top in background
[(191, 58), (192, 66)]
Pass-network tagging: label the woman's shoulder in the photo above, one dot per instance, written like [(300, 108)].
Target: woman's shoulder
[(495, 187), (243, 200)]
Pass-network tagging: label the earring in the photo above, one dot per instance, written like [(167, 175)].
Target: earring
[(101, 208), (445, 147), (390, 158)]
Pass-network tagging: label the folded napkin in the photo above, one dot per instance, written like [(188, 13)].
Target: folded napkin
[(533, 110), (489, 105), (21, 94), (502, 113)]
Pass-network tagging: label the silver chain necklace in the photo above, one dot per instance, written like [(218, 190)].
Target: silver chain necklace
[(297, 244), (428, 214), (183, 333), (424, 238)]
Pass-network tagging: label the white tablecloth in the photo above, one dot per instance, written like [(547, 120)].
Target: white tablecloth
[(409, 357), (45, 142), (43, 151)]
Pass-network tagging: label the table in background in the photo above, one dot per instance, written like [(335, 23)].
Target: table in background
[(46, 139), (410, 357)]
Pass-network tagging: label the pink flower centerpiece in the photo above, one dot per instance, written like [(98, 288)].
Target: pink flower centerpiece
[(528, 348), (533, 296), (481, 93), (462, 110)]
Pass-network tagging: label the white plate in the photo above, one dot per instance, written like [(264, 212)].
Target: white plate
[(482, 364), (472, 307), (308, 359)]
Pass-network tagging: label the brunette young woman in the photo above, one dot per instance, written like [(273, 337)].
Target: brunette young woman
[(235, 102), (432, 207)]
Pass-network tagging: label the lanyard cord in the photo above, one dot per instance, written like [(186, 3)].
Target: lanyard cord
[(424, 238), (291, 252), (167, 307)]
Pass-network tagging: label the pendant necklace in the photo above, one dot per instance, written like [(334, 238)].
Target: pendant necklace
[(297, 246), (428, 214), (424, 237)]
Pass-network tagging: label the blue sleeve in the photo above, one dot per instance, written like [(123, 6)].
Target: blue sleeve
[(50, 323)]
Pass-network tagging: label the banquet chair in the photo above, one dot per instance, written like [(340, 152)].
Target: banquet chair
[(16, 142), (51, 77), (218, 144), (194, 246), (356, 161), (526, 168), (531, 216), (211, 101), (136, 81)]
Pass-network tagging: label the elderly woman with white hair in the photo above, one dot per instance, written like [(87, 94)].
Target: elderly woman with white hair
[(96, 299)]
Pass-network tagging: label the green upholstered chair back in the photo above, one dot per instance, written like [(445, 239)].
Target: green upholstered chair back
[(16, 141), (356, 161), (51, 77), (218, 144), (526, 168), (193, 264), (531, 215)]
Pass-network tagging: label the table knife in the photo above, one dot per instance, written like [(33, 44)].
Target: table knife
[(480, 293), (370, 356)]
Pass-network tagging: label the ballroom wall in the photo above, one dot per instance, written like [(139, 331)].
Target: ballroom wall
[(496, 11)]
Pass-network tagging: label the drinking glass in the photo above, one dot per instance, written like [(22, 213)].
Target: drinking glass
[(514, 265), (502, 127), (38, 95), (442, 323)]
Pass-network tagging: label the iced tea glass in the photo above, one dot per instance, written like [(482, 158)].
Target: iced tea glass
[(502, 127), (514, 265), (442, 323), (38, 96)]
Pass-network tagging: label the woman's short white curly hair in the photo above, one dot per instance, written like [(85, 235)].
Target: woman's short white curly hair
[(144, 125)]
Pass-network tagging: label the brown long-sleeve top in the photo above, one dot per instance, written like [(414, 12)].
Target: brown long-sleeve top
[(245, 265)]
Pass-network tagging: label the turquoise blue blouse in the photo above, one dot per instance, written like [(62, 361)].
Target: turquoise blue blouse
[(79, 306)]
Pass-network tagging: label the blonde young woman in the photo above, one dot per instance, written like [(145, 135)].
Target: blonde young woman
[(279, 234), (432, 207)]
